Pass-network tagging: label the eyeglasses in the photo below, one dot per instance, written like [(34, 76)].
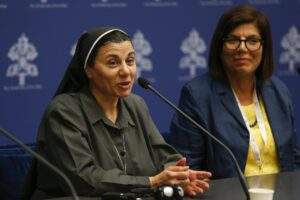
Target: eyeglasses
[(252, 44)]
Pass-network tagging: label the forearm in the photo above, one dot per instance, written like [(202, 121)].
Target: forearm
[(115, 180), (95, 181)]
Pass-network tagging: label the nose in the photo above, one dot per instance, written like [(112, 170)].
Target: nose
[(124, 69), (242, 46)]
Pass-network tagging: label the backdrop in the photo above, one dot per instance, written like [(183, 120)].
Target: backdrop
[(171, 38)]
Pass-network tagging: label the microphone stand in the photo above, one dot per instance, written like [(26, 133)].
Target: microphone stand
[(146, 85), (42, 160)]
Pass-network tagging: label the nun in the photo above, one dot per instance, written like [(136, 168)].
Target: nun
[(100, 134)]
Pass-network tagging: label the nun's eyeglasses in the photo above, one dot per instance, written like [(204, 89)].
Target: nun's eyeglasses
[(252, 44)]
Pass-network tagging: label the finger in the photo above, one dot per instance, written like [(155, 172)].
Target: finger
[(178, 168), (189, 191), (183, 183), (206, 180), (197, 188), (177, 175), (202, 174), (202, 184), (181, 162), (192, 175)]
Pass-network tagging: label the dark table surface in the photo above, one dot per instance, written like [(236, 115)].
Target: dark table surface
[(285, 184)]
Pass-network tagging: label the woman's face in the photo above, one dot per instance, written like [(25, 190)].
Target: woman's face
[(245, 59), (114, 71)]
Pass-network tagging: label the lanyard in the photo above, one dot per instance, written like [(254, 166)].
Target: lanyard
[(261, 126)]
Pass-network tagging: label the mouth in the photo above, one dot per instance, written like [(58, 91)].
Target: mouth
[(125, 84), (241, 61)]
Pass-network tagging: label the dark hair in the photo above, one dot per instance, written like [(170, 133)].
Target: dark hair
[(115, 36), (242, 14)]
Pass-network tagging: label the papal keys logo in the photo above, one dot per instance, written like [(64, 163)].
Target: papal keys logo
[(3, 4), (142, 50), (109, 4), (49, 4), (161, 3), (192, 46), (291, 54), (22, 54)]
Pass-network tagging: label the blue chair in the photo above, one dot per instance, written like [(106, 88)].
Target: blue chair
[(14, 164)]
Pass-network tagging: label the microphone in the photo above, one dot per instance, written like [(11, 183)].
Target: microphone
[(42, 160), (144, 83), (118, 196), (161, 193)]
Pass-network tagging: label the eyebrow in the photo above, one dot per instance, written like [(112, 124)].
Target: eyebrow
[(131, 53), (249, 36)]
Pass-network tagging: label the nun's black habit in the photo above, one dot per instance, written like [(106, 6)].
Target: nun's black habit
[(97, 155)]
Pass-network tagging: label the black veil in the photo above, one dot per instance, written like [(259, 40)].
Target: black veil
[(74, 78)]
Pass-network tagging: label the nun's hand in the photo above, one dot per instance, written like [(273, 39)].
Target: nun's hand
[(172, 175), (199, 183)]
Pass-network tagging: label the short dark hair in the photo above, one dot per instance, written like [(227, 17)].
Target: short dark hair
[(242, 14), (115, 37)]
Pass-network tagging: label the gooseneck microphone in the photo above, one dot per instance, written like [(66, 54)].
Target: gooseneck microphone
[(42, 160), (144, 83)]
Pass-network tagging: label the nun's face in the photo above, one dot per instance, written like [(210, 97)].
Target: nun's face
[(114, 71)]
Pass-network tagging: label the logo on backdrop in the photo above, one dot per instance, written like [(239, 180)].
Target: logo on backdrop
[(264, 2), (216, 2), (3, 5), (73, 48), (22, 54), (160, 3), (42, 4), (291, 54), (109, 4), (142, 50), (192, 46)]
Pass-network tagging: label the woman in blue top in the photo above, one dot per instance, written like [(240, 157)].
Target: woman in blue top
[(239, 102)]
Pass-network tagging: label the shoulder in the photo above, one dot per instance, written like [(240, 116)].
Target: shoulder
[(198, 88), (64, 104), (64, 100), (63, 110), (276, 82), (278, 86), (135, 102), (137, 108), (200, 82)]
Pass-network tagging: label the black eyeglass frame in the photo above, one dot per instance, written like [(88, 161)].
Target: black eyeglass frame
[(261, 41)]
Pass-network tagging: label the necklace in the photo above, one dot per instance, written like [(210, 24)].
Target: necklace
[(122, 153), (253, 124)]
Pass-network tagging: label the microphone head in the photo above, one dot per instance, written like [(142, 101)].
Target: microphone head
[(144, 83)]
